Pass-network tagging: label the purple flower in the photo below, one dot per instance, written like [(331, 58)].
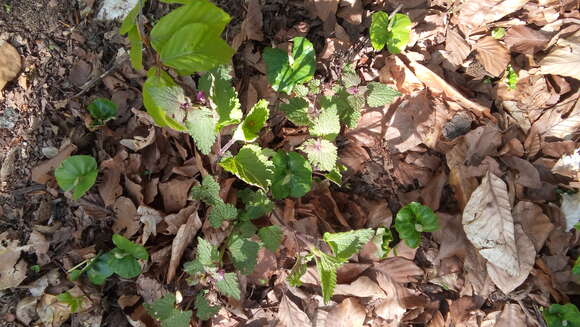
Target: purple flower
[(200, 97)]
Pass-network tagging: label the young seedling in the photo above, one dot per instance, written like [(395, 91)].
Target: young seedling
[(412, 220), (101, 110), (511, 77), (77, 174), (498, 33), (557, 315), (393, 31)]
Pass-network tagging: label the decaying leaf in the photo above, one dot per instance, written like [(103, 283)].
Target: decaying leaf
[(10, 63), (569, 165), (489, 225), (138, 143), (492, 55), (150, 218), (175, 193), (290, 314), (481, 142), (126, 222), (182, 240), (528, 175), (12, 269), (564, 59), (456, 47), (512, 315), (474, 14), (362, 287), (349, 313), (571, 209), (523, 39), (43, 173), (534, 222)]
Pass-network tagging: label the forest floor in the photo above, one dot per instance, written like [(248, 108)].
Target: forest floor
[(461, 139)]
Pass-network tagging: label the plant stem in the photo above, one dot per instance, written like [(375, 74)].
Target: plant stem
[(224, 149)]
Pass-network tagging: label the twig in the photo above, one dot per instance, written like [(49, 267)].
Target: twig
[(391, 20), (224, 149)]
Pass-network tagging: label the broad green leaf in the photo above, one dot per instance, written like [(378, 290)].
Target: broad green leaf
[(557, 315), (498, 33), (284, 72), (271, 237), (326, 266), (321, 153), (163, 99), (193, 267), (256, 204), (77, 173), (292, 175), (348, 106), (161, 309), (178, 319), (345, 244), (194, 48), (246, 229), (102, 110), (296, 111), (74, 302), (130, 21), (207, 254), (413, 219), (399, 33), (203, 310), (126, 267), (335, 175), (136, 52), (228, 285), (314, 86), (327, 124), (217, 84), (199, 11), (220, 212), (251, 166), (201, 125), (249, 129), (349, 77), (379, 94), (378, 30), (298, 270), (134, 249), (243, 253), (511, 77), (99, 270), (208, 191)]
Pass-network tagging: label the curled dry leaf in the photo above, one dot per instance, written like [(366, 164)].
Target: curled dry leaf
[(564, 59), (174, 221), (150, 218), (349, 313), (512, 315), (290, 314), (362, 287), (10, 63), (126, 222), (523, 39), (528, 175), (456, 48), (40, 245), (571, 209), (481, 142), (562, 120), (399, 269), (43, 173), (139, 142), (489, 225), (492, 55), (26, 310), (182, 239), (351, 11), (534, 222), (391, 309), (110, 189)]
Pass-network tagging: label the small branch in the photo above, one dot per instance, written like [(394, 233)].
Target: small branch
[(224, 149)]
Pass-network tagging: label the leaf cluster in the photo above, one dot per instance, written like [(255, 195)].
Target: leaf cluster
[(392, 31), (74, 302), (164, 310), (413, 219), (557, 315)]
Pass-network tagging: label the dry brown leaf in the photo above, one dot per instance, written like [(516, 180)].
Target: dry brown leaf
[(362, 287), (326, 11), (451, 237), (399, 269), (290, 314), (534, 222), (26, 310), (504, 279), (40, 245), (461, 309), (43, 172), (528, 175), (511, 315), (110, 189), (10, 63), (253, 23), (523, 39), (126, 222), (489, 225), (571, 209), (564, 59), (391, 309), (174, 221), (138, 143), (351, 11), (175, 193), (150, 218), (431, 194), (481, 142), (395, 72), (266, 266), (512, 147), (456, 48), (492, 55), (182, 239), (150, 289), (349, 313), (569, 165), (474, 14), (561, 121), (349, 271), (12, 269)]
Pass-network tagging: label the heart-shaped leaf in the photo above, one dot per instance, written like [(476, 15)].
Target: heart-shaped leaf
[(292, 175), (77, 173)]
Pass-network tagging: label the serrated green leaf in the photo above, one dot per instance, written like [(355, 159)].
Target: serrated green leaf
[(271, 237), (413, 219), (208, 191), (345, 244), (301, 90), (136, 51), (249, 129), (298, 270), (284, 71), (557, 315), (203, 310), (161, 309), (251, 166), (326, 266), (321, 153), (77, 174), (327, 124), (178, 319), (102, 110), (220, 212), (246, 229), (201, 125), (228, 285), (193, 267), (348, 106), (394, 32), (379, 94), (335, 175), (314, 86), (134, 249), (296, 111), (217, 85), (74, 302), (243, 253), (207, 254), (292, 175), (130, 20), (163, 98), (256, 204), (349, 77)]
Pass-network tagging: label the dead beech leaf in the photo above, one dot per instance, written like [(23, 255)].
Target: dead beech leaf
[(481, 142), (43, 172), (523, 39), (253, 23), (110, 189), (564, 59), (174, 221), (326, 11), (10, 63), (492, 55), (512, 315), (569, 165), (451, 237), (182, 239), (474, 14), (526, 254), (150, 218), (391, 309), (40, 245), (571, 209), (528, 175), (401, 270), (266, 266), (126, 222), (534, 222), (26, 310), (175, 193), (395, 72), (349, 313), (457, 48), (362, 287), (139, 142), (431, 193), (351, 11), (489, 226), (562, 120), (12, 269), (290, 314)]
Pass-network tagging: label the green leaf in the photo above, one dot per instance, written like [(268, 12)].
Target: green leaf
[(203, 310), (249, 129), (335, 175), (126, 267), (498, 33), (413, 219), (99, 270), (194, 48), (136, 52), (284, 72), (243, 253), (326, 266), (296, 111), (271, 236), (217, 84), (257, 204), (220, 212), (378, 30), (327, 124), (130, 21), (576, 267), (298, 270), (380, 94), (251, 166), (314, 86), (345, 244), (321, 153), (394, 32), (199, 11), (178, 319), (511, 77), (74, 302), (208, 191), (349, 77), (292, 175), (348, 106), (246, 229), (163, 99), (382, 241), (207, 254), (134, 249), (301, 90), (193, 267), (102, 110), (201, 125), (164, 310), (77, 173), (557, 315), (228, 285)]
